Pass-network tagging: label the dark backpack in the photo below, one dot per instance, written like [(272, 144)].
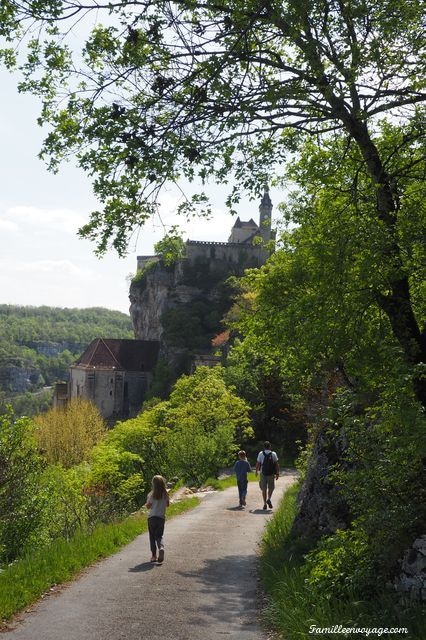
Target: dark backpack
[(268, 465)]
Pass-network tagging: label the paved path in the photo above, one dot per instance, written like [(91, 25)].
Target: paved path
[(205, 589)]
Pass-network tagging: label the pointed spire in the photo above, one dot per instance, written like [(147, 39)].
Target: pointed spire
[(266, 200)]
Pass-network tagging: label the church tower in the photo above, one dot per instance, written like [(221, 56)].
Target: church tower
[(265, 217)]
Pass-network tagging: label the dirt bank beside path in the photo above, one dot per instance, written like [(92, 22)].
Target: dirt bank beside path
[(206, 587)]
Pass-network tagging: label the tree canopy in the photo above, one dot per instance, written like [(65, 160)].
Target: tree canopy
[(164, 90), (228, 91)]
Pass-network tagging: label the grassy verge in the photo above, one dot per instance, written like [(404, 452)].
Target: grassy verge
[(293, 610), (224, 483), (27, 579)]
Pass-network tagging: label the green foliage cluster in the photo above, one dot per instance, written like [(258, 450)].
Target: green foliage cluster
[(190, 435), (171, 248), (139, 278), (21, 499), (28, 403), (274, 414), (193, 324), (384, 487), (24, 325), (62, 473)]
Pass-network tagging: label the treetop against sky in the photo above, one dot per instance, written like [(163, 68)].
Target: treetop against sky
[(159, 91)]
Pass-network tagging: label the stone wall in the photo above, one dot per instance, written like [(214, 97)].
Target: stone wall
[(220, 253), (116, 393)]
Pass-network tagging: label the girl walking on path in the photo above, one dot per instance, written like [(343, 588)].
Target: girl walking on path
[(157, 503)]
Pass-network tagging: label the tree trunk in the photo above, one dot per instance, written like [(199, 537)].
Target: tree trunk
[(397, 304)]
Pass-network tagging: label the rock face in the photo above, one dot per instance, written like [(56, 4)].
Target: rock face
[(322, 509), (18, 379), (411, 583), (181, 306), (150, 296)]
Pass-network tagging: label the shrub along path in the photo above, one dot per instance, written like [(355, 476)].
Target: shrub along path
[(206, 587)]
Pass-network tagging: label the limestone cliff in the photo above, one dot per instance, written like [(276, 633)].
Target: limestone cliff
[(181, 306), (152, 293)]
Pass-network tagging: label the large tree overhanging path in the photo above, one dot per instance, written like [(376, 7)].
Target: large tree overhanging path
[(206, 587), (223, 91)]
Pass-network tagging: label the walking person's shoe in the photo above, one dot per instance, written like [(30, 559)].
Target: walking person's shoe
[(264, 507), (154, 559), (269, 503), (244, 502), (161, 555)]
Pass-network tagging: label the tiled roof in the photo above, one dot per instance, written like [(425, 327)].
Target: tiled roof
[(221, 338), (241, 224), (128, 355)]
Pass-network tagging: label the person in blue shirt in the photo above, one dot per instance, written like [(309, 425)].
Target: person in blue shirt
[(241, 469)]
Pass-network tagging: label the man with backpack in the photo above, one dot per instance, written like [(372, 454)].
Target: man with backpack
[(267, 464)]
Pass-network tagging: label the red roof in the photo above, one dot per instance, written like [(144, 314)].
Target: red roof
[(220, 339), (128, 355)]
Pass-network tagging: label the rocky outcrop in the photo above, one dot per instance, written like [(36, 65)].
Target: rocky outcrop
[(52, 349), (192, 291), (322, 509), (411, 582), (151, 294), (18, 379)]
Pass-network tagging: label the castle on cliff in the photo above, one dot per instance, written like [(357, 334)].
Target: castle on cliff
[(117, 374), (248, 244)]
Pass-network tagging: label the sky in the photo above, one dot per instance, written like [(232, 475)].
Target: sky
[(42, 260)]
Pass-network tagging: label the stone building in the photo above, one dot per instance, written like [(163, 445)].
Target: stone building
[(247, 245), (115, 375)]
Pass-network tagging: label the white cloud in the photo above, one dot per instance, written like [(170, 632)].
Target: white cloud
[(57, 268), (62, 219), (8, 225)]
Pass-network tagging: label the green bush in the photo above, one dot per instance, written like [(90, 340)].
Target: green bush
[(383, 481), (66, 506), (294, 603), (339, 562), (171, 248), (22, 499), (206, 420), (191, 435), (116, 483)]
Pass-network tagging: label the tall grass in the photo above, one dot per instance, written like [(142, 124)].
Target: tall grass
[(28, 578), (293, 609)]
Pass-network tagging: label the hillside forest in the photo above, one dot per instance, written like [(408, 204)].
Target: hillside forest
[(38, 344)]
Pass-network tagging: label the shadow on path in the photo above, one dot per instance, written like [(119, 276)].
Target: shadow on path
[(262, 512), (228, 588), (144, 566)]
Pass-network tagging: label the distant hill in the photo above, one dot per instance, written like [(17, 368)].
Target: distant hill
[(37, 345)]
